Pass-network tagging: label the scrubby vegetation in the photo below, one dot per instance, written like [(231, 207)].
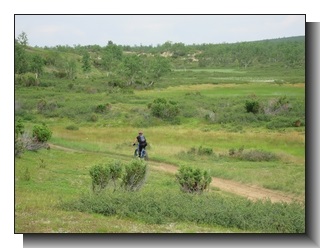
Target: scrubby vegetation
[(193, 180), (234, 111), (263, 217)]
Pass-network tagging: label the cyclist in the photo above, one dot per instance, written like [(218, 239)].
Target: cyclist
[(142, 142)]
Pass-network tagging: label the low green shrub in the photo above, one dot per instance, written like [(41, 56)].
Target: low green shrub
[(115, 169), (193, 180), (100, 176), (163, 109), (41, 133), (19, 127), (207, 151), (93, 118), (18, 144), (209, 209), (252, 155), (72, 127), (26, 79), (23, 141), (284, 122), (252, 106), (236, 152), (258, 156), (19, 147), (102, 108), (134, 175), (277, 106)]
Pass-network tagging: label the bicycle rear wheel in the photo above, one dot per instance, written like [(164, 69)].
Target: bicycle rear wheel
[(145, 155), (136, 153)]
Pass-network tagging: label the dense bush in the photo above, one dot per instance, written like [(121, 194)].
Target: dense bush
[(134, 175), (93, 118), (115, 169), (41, 133), (102, 174), (27, 79), (163, 109), (252, 106), (258, 156), (201, 151), (24, 141), (252, 155), (99, 176), (193, 180), (278, 106), (46, 107), (284, 122), (72, 127), (102, 108), (19, 127), (18, 146)]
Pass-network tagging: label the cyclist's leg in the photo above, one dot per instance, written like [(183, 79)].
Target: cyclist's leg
[(143, 151), (139, 150)]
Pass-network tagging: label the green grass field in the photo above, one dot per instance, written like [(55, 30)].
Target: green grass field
[(52, 187)]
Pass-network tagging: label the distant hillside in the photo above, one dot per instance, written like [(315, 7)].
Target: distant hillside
[(147, 64), (287, 39)]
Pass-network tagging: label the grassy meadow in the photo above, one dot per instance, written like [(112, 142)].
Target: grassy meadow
[(265, 149)]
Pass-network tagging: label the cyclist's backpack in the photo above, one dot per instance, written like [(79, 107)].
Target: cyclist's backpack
[(143, 140)]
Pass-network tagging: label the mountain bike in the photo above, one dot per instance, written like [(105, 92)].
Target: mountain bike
[(144, 154)]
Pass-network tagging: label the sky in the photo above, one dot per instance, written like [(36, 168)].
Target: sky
[(136, 30)]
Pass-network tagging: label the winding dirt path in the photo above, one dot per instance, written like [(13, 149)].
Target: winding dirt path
[(251, 192)]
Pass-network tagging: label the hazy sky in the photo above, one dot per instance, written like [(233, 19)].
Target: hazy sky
[(52, 30)]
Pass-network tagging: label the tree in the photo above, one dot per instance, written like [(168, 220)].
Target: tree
[(159, 66), (20, 59), (178, 49), (245, 54), (23, 39), (132, 68), (111, 56), (86, 62), (36, 64), (71, 68), (52, 58)]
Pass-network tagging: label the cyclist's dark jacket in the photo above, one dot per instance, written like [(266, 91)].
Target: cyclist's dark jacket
[(142, 140)]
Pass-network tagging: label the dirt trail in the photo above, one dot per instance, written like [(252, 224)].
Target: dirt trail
[(251, 192)]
